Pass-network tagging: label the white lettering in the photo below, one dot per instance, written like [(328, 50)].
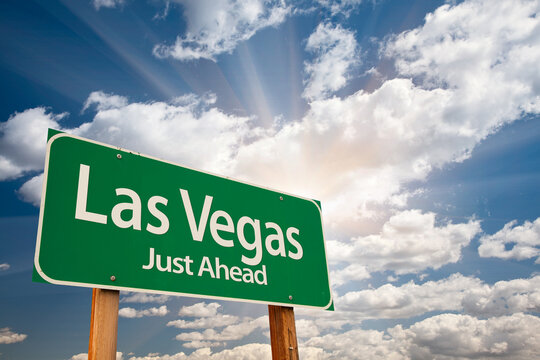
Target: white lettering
[(235, 271), (162, 229), (278, 236), (179, 268), (299, 251), (257, 243), (220, 267), (248, 276), (134, 206), (82, 196), (158, 264), (197, 231), (263, 274), (151, 262), (215, 227), (206, 266)]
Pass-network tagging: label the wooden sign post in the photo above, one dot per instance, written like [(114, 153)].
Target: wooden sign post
[(282, 333), (103, 325)]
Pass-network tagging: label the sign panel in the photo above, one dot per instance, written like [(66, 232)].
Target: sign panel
[(115, 219)]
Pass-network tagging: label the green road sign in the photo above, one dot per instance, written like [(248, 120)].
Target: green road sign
[(115, 219)]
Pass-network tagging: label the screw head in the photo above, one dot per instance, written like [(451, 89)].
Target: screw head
[(281, 198), (290, 297), (119, 156), (113, 278)]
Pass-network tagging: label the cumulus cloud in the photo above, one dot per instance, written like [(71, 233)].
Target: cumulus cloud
[(342, 7), (165, 130), (306, 328), (371, 344), (139, 297), (218, 320), (23, 139), (409, 242), (201, 309), (456, 293), (462, 336), (335, 52), (129, 312), (410, 299), (244, 352), (351, 272), (476, 49), (84, 356), (31, 190), (504, 297), (107, 3), (356, 153), (9, 337), (4, 266), (231, 332), (513, 242), (368, 144), (216, 27), (103, 101), (208, 318), (445, 336)]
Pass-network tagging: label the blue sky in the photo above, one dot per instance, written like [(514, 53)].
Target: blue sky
[(415, 123)]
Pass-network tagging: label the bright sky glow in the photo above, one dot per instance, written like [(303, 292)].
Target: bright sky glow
[(415, 123)]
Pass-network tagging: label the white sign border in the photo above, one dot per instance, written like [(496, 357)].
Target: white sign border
[(109, 287)]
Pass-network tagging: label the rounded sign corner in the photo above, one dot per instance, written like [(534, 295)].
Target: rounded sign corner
[(42, 274), (330, 305), (57, 136)]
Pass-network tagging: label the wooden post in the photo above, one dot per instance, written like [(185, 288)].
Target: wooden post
[(282, 333), (103, 325)]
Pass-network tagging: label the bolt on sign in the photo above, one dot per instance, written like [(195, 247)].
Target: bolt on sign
[(115, 219)]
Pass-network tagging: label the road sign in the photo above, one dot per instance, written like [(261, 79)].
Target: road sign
[(115, 219)]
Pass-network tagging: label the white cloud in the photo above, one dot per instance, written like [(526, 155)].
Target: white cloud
[(202, 344), (104, 101), (31, 190), (23, 139), (354, 154), (335, 51), (457, 293), (166, 130), (351, 272), (244, 352), (218, 320), (409, 242), (408, 300), (306, 328), (342, 7), (4, 266), (201, 309), (84, 356), (444, 337), (139, 297), (9, 337), (216, 27), (524, 242), (107, 3), (504, 297), (129, 312), (230, 332), (371, 344), (478, 50), (451, 336)]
